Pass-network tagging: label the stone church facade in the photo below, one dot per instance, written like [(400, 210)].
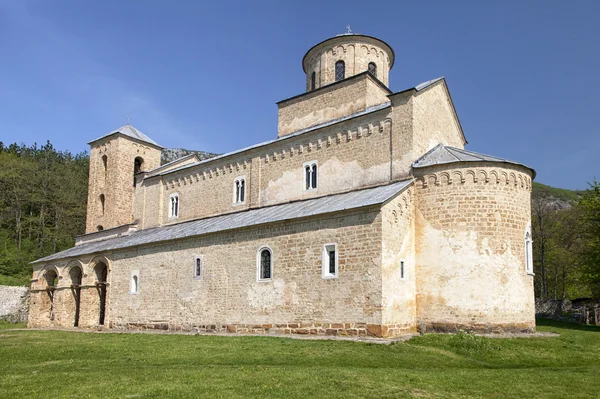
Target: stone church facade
[(365, 216)]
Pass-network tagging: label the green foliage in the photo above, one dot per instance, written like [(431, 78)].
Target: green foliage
[(566, 243), (43, 195), (59, 364), (542, 190), (590, 205)]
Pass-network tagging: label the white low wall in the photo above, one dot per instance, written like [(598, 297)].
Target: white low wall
[(14, 303)]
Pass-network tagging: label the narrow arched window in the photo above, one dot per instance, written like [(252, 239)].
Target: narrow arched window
[(135, 284), (313, 81), (528, 252), (174, 205), (239, 190), (102, 204), (340, 70), (197, 267), (310, 175), (105, 163), (137, 168), (372, 69), (265, 264)]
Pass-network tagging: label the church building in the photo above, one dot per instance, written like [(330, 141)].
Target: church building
[(365, 216)]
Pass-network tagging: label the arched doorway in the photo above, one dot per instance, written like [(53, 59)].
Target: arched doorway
[(101, 271), (51, 278), (76, 274)]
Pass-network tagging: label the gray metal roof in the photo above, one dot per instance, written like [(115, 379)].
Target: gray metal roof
[(425, 85), (253, 217), (132, 132), (442, 154)]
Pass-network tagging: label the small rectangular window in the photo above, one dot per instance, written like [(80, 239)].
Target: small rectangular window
[(402, 271), (330, 261), (198, 267)]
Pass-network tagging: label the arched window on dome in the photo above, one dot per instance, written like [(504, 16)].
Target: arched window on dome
[(340, 71), (313, 80), (372, 69)]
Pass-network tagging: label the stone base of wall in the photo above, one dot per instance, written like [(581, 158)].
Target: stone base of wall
[(325, 329), (441, 327)]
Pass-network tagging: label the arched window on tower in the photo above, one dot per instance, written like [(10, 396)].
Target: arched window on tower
[(102, 204), (372, 69), (340, 71), (137, 167), (105, 164), (313, 80)]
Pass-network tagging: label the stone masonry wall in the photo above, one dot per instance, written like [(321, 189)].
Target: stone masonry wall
[(434, 120), (350, 155), (355, 51), (55, 306), (346, 98), (229, 297), (398, 245), (115, 181), (14, 303), (470, 243)]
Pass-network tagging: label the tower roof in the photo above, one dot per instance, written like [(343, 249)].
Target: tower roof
[(132, 132)]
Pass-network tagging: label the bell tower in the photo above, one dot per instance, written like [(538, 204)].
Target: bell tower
[(115, 159)]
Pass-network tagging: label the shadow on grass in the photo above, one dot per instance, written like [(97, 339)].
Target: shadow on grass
[(542, 321)]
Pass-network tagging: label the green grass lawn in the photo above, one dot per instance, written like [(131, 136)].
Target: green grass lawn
[(57, 364)]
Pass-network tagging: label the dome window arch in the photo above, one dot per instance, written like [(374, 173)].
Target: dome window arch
[(340, 70), (372, 69)]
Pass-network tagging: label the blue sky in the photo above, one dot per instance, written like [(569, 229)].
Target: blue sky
[(524, 75)]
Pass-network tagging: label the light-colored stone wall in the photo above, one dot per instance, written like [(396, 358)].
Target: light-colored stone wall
[(14, 303), (398, 245), (471, 221), (334, 102), (228, 296), (350, 155), (116, 181), (55, 306), (434, 120), (356, 51)]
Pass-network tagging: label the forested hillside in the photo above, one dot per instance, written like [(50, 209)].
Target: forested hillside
[(43, 196), (566, 241)]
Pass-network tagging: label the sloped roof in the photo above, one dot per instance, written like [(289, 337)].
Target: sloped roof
[(132, 132), (442, 154), (253, 217), (425, 85)]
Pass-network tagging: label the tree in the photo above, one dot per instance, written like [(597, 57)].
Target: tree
[(590, 204)]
